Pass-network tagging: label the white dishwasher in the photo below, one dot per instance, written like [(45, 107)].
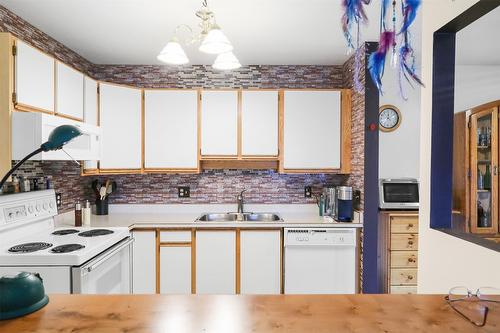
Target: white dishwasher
[(320, 261)]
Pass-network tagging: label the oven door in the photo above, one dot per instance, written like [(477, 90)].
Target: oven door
[(108, 273)]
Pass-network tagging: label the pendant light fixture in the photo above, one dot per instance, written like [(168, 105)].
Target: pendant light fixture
[(212, 41), (226, 61)]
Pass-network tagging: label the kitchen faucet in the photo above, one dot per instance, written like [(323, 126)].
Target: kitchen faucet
[(239, 199)]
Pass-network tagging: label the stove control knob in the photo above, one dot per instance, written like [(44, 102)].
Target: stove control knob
[(30, 209), (45, 206), (38, 207), (51, 204)]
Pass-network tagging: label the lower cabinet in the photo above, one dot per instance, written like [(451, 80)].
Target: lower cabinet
[(260, 261), (207, 261), (175, 269), (144, 262), (216, 262)]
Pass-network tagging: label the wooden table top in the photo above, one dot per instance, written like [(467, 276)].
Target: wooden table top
[(234, 314)]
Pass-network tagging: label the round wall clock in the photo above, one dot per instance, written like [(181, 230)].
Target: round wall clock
[(389, 118)]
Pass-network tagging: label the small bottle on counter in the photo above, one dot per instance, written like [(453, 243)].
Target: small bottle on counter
[(15, 184), (86, 214), (35, 184), (78, 214)]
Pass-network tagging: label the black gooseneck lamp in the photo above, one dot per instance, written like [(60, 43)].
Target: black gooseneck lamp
[(60, 136)]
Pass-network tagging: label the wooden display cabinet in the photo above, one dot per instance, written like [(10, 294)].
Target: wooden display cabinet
[(475, 168)]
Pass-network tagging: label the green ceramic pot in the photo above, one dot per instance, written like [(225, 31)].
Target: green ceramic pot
[(21, 294)]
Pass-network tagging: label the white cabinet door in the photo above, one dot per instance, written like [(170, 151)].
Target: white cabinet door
[(259, 123), (90, 110), (312, 130), (144, 262), (171, 129), (175, 270), (219, 123), (69, 91), (260, 253), (215, 262), (34, 78), (120, 119)]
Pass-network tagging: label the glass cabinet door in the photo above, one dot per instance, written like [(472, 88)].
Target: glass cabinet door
[(484, 171)]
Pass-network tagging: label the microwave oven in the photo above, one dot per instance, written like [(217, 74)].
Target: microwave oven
[(399, 194)]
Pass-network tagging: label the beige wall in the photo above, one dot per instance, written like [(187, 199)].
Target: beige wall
[(444, 261)]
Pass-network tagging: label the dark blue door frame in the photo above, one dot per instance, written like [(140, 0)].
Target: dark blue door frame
[(370, 213)]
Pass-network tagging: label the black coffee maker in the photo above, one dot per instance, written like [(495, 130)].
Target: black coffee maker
[(343, 204)]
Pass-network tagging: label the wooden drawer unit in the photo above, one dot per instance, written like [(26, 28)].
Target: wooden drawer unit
[(404, 224), (404, 259), (399, 251), (403, 276), (177, 236), (403, 289), (404, 242)]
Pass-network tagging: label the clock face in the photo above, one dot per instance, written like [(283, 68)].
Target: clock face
[(389, 118)]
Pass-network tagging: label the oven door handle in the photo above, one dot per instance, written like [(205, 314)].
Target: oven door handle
[(87, 269)]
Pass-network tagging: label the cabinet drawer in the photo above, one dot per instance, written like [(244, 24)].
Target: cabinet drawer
[(404, 259), (404, 224), (403, 289), (403, 276), (175, 236), (404, 242)]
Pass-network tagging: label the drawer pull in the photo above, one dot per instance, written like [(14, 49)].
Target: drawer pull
[(410, 242), (410, 225), (411, 260), (410, 277)]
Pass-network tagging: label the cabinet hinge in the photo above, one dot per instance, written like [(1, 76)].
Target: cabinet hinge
[(14, 97), (14, 50), (469, 174)]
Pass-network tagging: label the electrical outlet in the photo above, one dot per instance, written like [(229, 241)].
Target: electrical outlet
[(183, 192), (307, 192), (58, 200)]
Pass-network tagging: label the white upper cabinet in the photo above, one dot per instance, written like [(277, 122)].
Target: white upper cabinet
[(171, 129), (90, 110), (312, 130), (69, 91), (34, 78), (120, 120), (259, 123), (219, 123)]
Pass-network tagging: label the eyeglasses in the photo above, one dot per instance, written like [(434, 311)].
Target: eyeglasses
[(475, 303)]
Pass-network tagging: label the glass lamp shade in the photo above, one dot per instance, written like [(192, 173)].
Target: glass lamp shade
[(226, 61), (215, 42), (173, 54), (60, 136)]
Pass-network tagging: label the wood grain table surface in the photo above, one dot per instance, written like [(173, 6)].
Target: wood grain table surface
[(238, 313)]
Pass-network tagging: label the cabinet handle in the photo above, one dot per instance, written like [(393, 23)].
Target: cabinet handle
[(410, 242), (410, 277), (410, 225), (411, 260), (495, 170)]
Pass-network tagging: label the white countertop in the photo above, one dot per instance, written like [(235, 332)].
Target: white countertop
[(184, 216)]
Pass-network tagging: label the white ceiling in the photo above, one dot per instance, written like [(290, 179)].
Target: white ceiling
[(478, 44), (274, 32)]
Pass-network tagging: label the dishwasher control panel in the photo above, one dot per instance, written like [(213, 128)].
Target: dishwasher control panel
[(322, 236)]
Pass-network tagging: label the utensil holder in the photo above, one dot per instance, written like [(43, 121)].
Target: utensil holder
[(101, 207)]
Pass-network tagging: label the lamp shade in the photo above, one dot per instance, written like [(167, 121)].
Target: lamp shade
[(173, 54), (226, 61), (60, 136), (216, 42)]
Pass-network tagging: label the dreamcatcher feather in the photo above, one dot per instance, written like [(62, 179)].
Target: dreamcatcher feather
[(376, 61), (354, 13), (407, 68)]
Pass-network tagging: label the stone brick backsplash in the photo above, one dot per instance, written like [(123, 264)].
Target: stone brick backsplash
[(209, 187)]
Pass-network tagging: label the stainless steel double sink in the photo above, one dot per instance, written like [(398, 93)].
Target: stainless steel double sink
[(243, 217)]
